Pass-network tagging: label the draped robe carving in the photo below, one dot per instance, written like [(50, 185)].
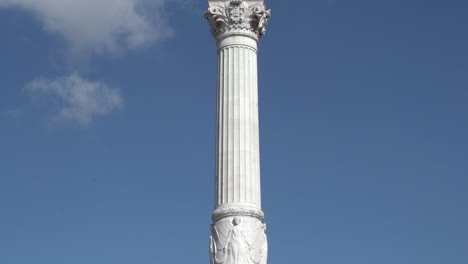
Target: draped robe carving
[(238, 246)]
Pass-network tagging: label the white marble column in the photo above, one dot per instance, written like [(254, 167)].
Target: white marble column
[(238, 233)]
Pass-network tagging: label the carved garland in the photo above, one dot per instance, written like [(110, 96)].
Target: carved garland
[(236, 211), (237, 15)]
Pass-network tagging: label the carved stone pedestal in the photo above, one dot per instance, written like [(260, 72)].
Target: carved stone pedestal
[(238, 233), (238, 239)]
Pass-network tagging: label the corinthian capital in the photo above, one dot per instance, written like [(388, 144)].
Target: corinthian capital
[(237, 17)]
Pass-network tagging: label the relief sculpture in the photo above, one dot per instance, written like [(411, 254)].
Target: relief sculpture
[(236, 11), (237, 15), (237, 247)]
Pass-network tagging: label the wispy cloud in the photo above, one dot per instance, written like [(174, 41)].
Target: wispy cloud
[(77, 100), (93, 27)]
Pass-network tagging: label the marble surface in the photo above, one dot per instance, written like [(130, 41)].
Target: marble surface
[(238, 233)]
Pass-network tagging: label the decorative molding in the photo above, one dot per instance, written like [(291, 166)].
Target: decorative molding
[(237, 17), (238, 46), (228, 211)]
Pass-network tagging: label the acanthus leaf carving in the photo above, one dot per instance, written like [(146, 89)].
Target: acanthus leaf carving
[(259, 18), (237, 16)]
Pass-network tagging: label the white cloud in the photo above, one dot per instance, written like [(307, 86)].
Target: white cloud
[(78, 100), (99, 26)]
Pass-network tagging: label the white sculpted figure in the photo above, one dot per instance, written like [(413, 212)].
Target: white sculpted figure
[(213, 249), (237, 247), (259, 249)]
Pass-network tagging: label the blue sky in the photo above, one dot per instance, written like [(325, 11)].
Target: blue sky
[(107, 121)]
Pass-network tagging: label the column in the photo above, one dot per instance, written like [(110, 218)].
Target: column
[(238, 229)]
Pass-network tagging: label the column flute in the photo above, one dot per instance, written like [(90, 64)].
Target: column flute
[(238, 229)]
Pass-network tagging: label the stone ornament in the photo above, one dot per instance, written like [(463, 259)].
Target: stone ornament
[(236, 243), (238, 209), (237, 17)]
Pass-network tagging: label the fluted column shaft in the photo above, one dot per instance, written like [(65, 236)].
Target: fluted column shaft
[(238, 161)]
